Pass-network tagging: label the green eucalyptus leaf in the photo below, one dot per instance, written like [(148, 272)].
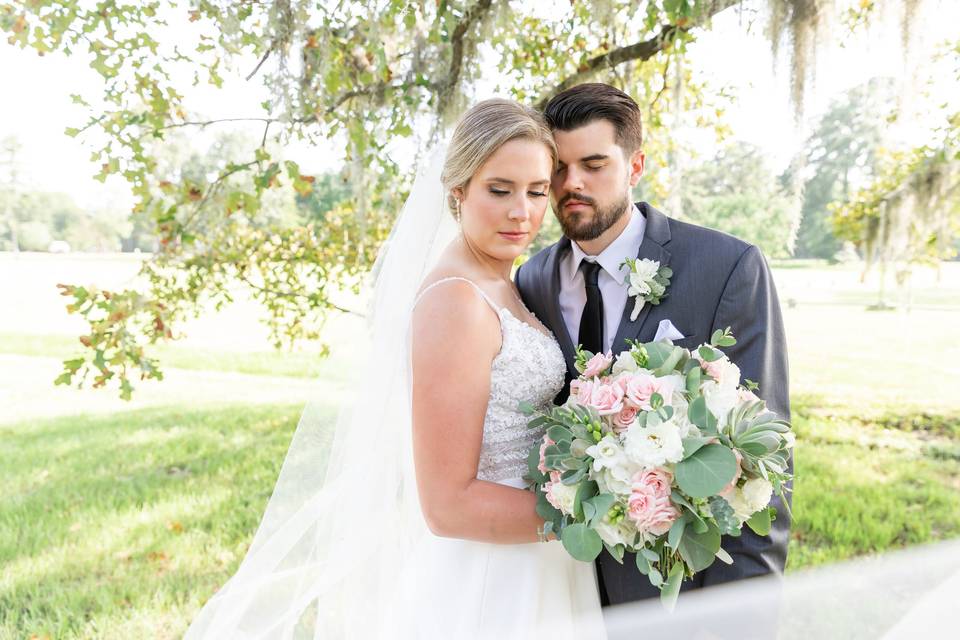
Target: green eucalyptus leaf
[(581, 542)]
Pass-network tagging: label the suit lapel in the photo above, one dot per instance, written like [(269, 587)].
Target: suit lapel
[(655, 236), (555, 316)]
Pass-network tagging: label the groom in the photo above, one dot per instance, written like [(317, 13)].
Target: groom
[(578, 289)]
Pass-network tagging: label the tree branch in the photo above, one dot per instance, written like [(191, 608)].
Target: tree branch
[(643, 50), (470, 17)]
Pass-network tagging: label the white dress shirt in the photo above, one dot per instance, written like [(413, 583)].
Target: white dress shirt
[(612, 280)]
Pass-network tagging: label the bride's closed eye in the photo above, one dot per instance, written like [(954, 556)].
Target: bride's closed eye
[(537, 194)]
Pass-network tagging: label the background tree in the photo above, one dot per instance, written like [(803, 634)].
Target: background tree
[(738, 193), (909, 213), (358, 76), (840, 155)]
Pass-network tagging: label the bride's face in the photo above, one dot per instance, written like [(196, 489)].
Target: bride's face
[(504, 204)]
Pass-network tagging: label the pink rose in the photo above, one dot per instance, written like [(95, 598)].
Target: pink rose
[(639, 389), (714, 369), (651, 513), (597, 365), (542, 467), (607, 399), (581, 390), (746, 395), (623, 420), (658, 479)]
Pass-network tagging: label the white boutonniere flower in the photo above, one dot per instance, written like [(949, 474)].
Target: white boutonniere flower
[(648, 282)]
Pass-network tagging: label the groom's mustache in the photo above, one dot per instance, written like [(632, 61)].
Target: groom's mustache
[(577, 198)]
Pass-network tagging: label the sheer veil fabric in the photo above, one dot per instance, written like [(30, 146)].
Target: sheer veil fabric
[(334, 545), (345, 552)]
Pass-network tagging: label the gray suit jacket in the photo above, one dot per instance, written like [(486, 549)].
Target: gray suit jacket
[(718, 281)]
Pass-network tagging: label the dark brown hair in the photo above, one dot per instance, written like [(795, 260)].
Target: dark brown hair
[(584, 103)]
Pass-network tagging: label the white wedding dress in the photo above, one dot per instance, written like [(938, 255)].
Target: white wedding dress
[(532, 590)]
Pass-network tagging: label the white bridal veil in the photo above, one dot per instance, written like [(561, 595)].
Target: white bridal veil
[(332, 552)]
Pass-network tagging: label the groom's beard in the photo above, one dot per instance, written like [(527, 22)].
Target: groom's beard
[(603, 217)]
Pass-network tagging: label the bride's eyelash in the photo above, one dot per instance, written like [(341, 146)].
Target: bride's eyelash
[(538, 194)]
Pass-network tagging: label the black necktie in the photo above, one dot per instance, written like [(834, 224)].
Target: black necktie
[(591, 322)]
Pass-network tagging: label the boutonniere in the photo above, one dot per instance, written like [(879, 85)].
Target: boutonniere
[(648, 283)]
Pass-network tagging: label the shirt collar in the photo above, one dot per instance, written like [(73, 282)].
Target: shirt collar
[(624, 246)]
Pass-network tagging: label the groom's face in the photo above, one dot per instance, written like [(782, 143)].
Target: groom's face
[(591, 187)]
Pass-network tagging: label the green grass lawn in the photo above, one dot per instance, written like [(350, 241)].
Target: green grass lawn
[(120, 521)]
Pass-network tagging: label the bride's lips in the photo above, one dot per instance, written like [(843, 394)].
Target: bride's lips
[(513, 235)]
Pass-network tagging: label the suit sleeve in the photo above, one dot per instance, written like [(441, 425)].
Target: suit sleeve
[(749, 306)]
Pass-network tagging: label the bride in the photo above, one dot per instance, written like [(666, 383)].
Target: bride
[(420, 526)]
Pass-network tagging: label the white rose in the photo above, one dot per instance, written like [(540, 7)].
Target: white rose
[(757, 493), (654, 446), (625, 364)]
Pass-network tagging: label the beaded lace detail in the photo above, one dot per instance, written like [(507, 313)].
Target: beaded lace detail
[(529, 367)]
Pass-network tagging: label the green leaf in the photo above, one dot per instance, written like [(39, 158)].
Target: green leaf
[(657, 354), (692, 445), (675, 535), (724, 515), (643, 564), (760, 522), (698, 550), (670, 363), (599, 504), (558, 433), (649, 554), (585, 491), (656, 578), (709, 354), (581, 542), (533, 464), (700, 415), (671, 590), (707, 471), (694, 377), (544, 509)]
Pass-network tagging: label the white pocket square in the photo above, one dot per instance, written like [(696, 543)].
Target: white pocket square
[(667, 331)]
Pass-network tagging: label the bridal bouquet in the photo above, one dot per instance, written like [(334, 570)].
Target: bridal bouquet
[(658, 451)]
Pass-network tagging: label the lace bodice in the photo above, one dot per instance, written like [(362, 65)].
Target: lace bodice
[(529, 367)]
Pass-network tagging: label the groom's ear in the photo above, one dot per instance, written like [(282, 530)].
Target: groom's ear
[(636, 167)]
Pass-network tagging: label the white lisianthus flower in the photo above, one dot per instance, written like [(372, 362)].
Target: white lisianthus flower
[(654, 446), (625, 363), (607, 453)]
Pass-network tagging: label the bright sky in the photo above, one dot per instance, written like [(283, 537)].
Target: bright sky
[(37, 106)]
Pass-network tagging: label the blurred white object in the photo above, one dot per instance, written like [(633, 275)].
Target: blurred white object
[(59, 246)]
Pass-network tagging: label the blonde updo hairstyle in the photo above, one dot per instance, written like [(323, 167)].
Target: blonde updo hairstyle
[(482, 130)]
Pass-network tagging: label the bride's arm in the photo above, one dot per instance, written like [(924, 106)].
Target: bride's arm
[(456, 336)]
